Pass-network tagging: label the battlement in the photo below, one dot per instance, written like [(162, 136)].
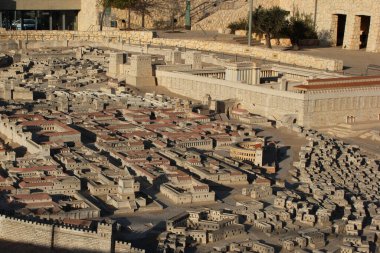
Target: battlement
[(125, 247), (69, 228), (51, 233), (27, 220)]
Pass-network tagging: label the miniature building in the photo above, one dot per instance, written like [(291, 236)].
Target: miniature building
[(194, 59), (205, 226), (244, 72), (139, 72), (249, 151), (116, 64)]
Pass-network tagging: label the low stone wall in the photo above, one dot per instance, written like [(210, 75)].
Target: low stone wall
[(90, 36), (118, 38), (258, 52)]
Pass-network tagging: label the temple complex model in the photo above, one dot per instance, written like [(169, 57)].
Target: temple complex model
[(111, 146)]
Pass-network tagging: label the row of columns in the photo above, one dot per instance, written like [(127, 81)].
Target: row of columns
[(218, 75), (250, 76)]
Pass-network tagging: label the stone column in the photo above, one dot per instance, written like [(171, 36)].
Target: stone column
[(1, 19), (373, 44), (63, 21), (231, 74), (36, 20), (352, 33), (51, 21), (334, 30), (22, 20), (256, 76)]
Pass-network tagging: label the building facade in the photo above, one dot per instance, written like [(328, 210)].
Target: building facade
[(349, 24), (80, 15)]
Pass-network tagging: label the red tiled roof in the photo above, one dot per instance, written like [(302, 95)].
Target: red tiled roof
[(340, 79), (337, 85)]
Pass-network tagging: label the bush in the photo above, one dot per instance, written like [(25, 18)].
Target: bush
[(300, 27), (242, 24)]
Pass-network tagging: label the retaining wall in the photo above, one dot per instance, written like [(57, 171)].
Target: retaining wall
[(119, 39)]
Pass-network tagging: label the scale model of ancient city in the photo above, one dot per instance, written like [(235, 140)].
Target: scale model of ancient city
[(183, 141)]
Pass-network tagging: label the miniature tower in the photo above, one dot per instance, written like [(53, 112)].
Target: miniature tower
[(245, 72), (140, 72), (194, 58), (126, 188), (176, 57), (115, 64), (79, 53)]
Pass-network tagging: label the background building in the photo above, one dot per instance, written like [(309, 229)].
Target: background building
[(48, 14)]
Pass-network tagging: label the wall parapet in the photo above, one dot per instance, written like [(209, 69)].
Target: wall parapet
[(147, 38), (53, 234)]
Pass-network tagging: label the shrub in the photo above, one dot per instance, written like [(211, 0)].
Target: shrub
[(300, 27), (242, 24)]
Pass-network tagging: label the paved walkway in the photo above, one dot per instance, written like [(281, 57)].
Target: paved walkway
[(355, 62)]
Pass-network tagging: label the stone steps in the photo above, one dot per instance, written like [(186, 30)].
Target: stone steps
[(222, 18)]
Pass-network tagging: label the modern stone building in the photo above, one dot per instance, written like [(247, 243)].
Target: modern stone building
[(350, 24), (48, 14), (347, 23)]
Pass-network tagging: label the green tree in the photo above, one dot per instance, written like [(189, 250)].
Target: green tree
[(174, 7), (104, 4), (119, 4), (300, 27), (128, 5), (144, 7), (269, 22)]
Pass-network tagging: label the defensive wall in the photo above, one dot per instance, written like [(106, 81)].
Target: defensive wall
[(267, 102), (50, 236), (313, 109), (122, 40)]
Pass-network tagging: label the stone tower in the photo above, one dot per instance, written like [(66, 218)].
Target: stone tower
[(176, 57), (140, 72), (116, 61), (244, 72), (194, 58)]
